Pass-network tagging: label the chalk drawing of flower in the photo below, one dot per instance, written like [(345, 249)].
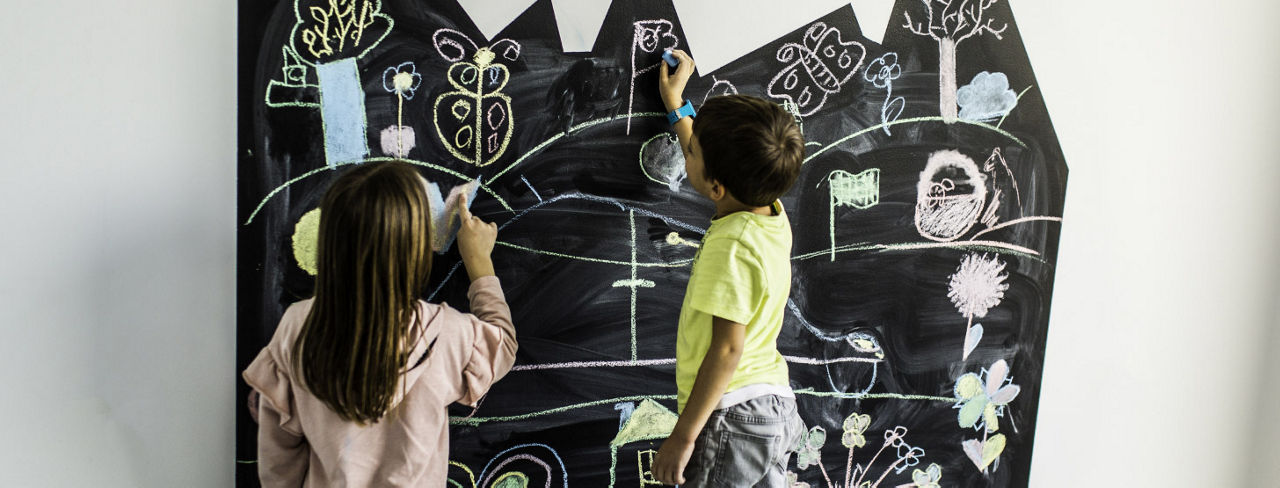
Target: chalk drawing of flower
[(883, 70), (983, 396), (928, 478), (854, 428), (794, 482), (977, 285), (402, 80), (810, 450)]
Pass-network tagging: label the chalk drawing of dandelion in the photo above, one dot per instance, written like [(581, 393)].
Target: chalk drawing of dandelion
[(977, 286)]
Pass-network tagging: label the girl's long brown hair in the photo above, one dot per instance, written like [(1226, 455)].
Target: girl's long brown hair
[(374, 258)]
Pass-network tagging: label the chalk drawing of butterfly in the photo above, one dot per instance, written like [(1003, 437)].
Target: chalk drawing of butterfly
[(474, 121), (819, 66)]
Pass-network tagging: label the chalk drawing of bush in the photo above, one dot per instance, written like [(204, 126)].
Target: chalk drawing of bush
[(986, 98)]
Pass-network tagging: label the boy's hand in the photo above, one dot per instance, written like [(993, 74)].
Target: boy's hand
[(671, 85), (669, 464), (475, 241)]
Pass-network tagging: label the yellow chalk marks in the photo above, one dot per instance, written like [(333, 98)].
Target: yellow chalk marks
[(479, 120), (338, 22), (633, 283), (471, 477), (402, 81), (649, 421), (306, 239), (675, 240), (644, 463), (484, 56), (513, 479)]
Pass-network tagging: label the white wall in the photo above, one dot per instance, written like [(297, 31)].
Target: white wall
[(117, 245), (1167, 273)]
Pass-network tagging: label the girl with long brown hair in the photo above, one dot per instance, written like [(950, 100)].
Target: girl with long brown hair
[(354, 385)]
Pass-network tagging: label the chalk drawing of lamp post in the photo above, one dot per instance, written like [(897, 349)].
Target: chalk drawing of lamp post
[(950, 22), (860, 191), (634, 283), (331, 36)]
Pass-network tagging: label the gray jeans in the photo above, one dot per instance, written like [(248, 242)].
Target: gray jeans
[(746, 445)]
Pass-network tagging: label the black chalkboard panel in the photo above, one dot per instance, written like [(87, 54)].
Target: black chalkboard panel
[(926, 223)]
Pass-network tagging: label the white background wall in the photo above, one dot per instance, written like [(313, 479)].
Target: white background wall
[(117, 233)]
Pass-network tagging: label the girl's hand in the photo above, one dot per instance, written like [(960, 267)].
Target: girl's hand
[(475, 241), (671, 85)]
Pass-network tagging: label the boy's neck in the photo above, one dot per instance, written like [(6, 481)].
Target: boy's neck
[(726, 206)]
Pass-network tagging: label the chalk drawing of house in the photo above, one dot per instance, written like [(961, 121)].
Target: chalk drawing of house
[(647, 423)]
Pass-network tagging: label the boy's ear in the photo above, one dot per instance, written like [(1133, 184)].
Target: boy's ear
[(718, 191)]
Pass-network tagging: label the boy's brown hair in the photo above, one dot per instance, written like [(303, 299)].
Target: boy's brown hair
[(751, 146), (374, 257)]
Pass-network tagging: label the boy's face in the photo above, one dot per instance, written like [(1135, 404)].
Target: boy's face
[(696, 170)]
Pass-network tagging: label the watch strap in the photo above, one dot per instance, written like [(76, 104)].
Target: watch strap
[(685, 110)]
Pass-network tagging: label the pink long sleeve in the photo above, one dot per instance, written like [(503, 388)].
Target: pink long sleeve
[(283, 457), (494, 348), (283, 452)]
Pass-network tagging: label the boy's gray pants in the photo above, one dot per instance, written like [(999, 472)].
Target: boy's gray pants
[(746, 445)]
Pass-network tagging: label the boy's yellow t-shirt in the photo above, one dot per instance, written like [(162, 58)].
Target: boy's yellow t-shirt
[(742, 273)]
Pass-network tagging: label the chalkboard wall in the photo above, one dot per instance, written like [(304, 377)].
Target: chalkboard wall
[(926, 222)]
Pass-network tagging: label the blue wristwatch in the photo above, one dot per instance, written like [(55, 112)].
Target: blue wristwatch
[(685, 110)]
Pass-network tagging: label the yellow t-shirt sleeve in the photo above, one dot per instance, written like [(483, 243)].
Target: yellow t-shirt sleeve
[(729, 281)]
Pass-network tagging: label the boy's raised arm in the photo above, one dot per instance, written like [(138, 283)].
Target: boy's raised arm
[(671, 88)]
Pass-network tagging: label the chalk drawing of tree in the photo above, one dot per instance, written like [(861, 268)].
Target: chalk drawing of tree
[(332, 30), (950, 22), (327, 40), (977, 286)]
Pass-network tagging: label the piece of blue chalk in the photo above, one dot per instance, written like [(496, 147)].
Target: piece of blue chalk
[(670, 58)]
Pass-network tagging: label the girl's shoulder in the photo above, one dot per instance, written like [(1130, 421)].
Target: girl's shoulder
[(294, 315), (440, 315), (287, 330), (442, 324)]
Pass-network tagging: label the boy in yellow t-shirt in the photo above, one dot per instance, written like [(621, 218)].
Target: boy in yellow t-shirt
[(738, 417)]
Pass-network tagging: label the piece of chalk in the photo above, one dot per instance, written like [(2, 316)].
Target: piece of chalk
[(670, 58)]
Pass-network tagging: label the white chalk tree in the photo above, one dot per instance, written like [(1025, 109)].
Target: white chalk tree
[(950, 22)]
